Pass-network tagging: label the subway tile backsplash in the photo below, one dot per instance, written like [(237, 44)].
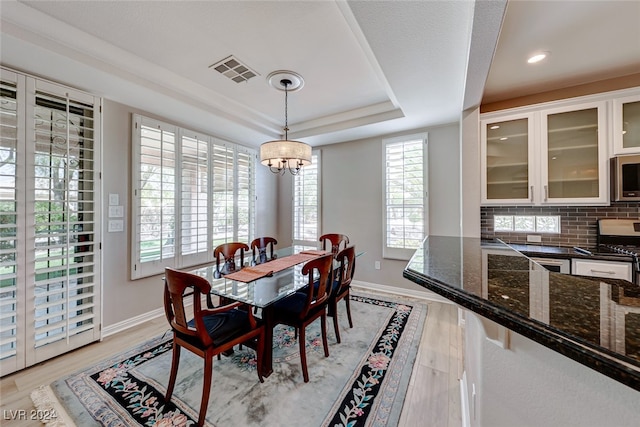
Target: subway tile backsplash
[(578, 223)]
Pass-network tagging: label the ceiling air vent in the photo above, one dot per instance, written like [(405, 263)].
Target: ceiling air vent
[(234, 69)]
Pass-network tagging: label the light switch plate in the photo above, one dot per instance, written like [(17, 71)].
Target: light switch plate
[(116, 225), (116, 211)]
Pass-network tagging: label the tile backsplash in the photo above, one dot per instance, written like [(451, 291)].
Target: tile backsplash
[(578, 223)]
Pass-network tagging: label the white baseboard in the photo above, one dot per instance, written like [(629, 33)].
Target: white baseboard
[(356, 284), (131, 322), (422, 294)]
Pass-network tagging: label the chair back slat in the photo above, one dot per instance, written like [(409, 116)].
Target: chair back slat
[(260, 247), (317, 295), (334, 242), (180, 285), (347, 260), (225, 254)]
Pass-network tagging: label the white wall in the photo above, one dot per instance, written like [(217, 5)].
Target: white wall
[(470, 173), (531, 385), (124, 299), (352, 197), (352, 203)]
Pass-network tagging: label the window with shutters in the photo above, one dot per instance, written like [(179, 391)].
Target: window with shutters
[(405, 195), (306, 204), (193, 192), (49, 225), (10, 226)]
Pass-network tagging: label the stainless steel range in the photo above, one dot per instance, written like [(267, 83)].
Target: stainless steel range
[(621, 236)]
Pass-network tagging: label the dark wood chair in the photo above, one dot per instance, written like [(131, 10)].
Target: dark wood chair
[(227, 252), (334, 242), (342, 286), (210, 332), (302, 308), (262, 249)]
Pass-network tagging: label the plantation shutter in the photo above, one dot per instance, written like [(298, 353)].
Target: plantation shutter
[(246, 161), (63, 219), (405, 196), (223, 194), (12, 224), (155, 195), (306, 204), (192, 193), (194, 205)]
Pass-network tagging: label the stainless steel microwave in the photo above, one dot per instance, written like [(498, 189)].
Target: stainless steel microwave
[(625, 178)]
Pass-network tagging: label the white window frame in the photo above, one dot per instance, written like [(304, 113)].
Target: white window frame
[(317, 161), (52, 265), (405, 252), (176, 258)]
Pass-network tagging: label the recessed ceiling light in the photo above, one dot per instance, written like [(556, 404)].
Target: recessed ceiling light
[(494, 127), (537, 57), (504, 138)]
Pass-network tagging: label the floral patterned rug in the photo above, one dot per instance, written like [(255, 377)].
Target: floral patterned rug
[(361, 383)]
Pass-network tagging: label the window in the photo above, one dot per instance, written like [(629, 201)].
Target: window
[(49, 220), (306, 203), (527, 223), (405, 197), (192, 193)]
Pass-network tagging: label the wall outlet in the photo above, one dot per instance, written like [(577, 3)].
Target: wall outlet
[(377, 265), (534, 238)]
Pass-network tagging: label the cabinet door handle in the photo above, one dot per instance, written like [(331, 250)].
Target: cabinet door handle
[(603, 271), (545, 193), (532, 193)]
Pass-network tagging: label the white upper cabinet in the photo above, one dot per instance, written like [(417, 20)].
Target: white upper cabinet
[(507, 152), (626, 124), (551, 154), (573, 162)]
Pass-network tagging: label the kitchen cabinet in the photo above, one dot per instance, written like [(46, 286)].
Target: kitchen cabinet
[(626, 124), (600, 268), (507, 153), (551, 155)]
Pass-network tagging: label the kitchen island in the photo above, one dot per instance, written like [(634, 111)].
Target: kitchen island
[(595, 322)]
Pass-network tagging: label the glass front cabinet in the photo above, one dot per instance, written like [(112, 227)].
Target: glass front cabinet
[(545, 156), (507, 154), (626, 124)]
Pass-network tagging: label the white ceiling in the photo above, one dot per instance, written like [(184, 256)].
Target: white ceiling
[(370, 67), (588, 41)]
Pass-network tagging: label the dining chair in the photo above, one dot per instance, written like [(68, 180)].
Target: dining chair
[(227, 252), (260, 247), (342, 286), (210, 332), (302, 308), (334, 242)]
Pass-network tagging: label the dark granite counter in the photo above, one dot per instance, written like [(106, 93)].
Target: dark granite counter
[(593, 321)]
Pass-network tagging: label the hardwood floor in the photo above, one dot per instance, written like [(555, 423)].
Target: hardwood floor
[(433, 397)]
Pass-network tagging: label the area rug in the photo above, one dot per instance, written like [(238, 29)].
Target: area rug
[(362, 383)]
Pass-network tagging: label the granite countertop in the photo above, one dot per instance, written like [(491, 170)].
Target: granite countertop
[(562, 252), (593, 321)]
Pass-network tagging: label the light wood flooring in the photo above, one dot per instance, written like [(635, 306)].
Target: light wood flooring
[(433, 397)]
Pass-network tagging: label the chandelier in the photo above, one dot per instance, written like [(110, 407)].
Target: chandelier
[(282, 155)]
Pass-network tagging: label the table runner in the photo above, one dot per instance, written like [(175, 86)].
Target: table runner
[(255, 272)]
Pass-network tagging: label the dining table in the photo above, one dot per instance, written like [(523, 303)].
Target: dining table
[(261, 284)]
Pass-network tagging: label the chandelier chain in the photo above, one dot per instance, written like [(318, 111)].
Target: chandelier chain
[(286, 82)]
